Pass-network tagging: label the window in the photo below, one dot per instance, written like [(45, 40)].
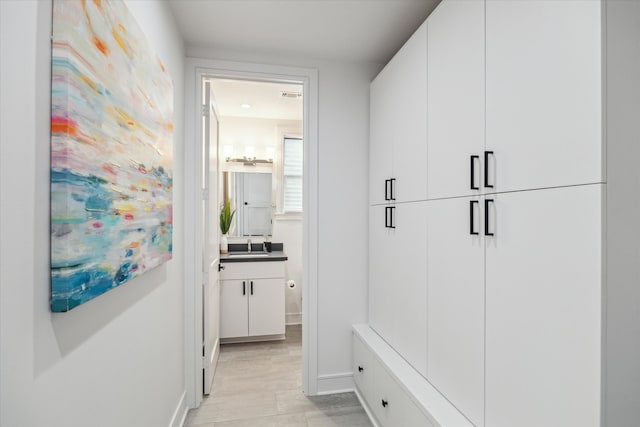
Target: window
[(292, 175)]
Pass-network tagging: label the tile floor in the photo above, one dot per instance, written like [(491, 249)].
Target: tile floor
[(260, 385)]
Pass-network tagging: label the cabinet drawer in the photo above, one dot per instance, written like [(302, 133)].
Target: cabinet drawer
[(387, 400), (362, 368), (252, 270)]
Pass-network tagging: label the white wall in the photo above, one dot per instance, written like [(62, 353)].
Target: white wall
[(118, 359), (289, 231), (343, 203)]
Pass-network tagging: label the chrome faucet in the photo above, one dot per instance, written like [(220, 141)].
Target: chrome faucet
[(249, 245)]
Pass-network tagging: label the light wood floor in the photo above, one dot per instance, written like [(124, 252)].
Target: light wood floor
[(260, 385)]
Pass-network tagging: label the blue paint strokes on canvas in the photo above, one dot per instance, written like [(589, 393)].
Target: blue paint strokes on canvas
[(111, 152)]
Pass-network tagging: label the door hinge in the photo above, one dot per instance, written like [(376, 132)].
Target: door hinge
[(205, 110)]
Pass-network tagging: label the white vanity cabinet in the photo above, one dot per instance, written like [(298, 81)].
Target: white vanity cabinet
[(252, 300)]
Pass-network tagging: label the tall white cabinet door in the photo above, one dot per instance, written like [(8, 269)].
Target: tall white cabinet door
[(266, 306), (234, 312), (408, 262), (381, 134), (543, 93), (408, 117), (543, 305), (381, 292), (455, 303), (456, 98)]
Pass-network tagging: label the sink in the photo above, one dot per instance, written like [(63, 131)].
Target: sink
[(248, 255)]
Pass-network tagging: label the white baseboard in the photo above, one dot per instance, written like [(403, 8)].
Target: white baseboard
[(180, 413), (293, 319), (335, 383)]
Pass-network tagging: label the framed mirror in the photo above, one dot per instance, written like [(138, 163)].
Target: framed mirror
[(250, 194)]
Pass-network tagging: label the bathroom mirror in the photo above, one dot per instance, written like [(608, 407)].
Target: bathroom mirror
[(250, 195)]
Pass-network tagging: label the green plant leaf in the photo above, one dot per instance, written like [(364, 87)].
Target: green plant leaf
[(226, 216)]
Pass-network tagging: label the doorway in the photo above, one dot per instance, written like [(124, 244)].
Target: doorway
[(304, 246)]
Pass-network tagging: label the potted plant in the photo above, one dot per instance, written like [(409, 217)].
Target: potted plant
[(226, 216)]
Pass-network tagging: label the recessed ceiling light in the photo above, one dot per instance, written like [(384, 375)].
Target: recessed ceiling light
[(246, 106)]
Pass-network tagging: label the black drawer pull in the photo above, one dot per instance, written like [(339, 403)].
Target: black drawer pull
[(360, 369), (252, 287), (220, 267), (244, 288), (384, 403)]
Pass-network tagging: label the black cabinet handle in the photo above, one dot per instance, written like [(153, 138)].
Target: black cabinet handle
[(386, 189), (471, 217), (392, 196), (386, 217), (473, 172), (384, 403), (486, 217), (252, 287), (220, 267), (392, 220), (486, 169), (244, 288), (360, 369), (389, 220)]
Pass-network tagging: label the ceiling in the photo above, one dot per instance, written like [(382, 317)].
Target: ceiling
[(339, 30), (265, 99), (344, 30)]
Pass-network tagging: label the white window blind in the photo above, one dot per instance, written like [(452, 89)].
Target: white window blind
[(292, 175)]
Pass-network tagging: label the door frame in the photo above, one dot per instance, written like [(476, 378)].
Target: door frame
[(195, 70)]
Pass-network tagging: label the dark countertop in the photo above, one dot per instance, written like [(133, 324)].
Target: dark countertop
[(258, 256)]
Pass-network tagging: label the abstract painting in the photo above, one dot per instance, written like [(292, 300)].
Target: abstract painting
[(111, 152)]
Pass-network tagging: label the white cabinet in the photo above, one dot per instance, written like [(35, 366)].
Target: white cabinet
[(398, 291), (398, 144), (455, 307), (252, 300), (544, 92), (234, 309), (388, 392), (532, 104), (543, 306), (514, 310), (530, 309), (456, 98)]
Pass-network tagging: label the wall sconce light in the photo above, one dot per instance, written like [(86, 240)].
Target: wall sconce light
[(270, 151), (249, 159)]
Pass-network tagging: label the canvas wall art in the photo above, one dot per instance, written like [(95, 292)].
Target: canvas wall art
[(111, 152)]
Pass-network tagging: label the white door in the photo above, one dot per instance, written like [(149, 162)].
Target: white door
[(456, 99), (381, 276), (407, 261), (455, 304), (234, 308), (210, 259), (543, 305), (407, 117), (266, 307), (544, 93)]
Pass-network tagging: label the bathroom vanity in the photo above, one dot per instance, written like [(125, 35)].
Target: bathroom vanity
[(252, 296)]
